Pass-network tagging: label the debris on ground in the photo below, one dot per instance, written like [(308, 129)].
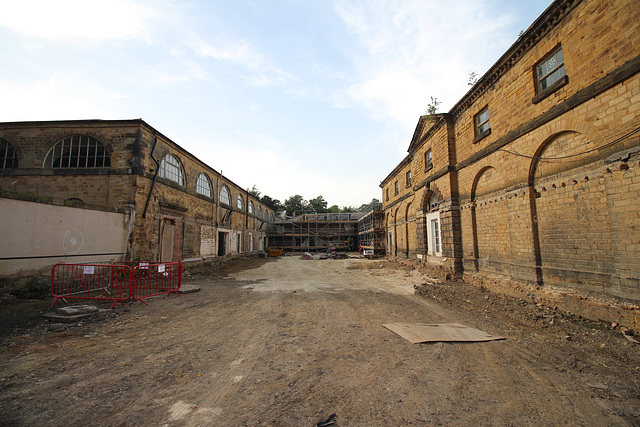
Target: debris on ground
[(188, 289), (440, 332), (329, 421), (72, 313)]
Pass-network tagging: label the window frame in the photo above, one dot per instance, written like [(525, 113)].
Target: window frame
[(61, 153), (408, 178), (240, 202), (224, 192), (396, 188), (165, 173), (259, 212), (540, 92), (477, 124), (8, 154), (200, 187), (428, 160), (387, 194), (250, 208)]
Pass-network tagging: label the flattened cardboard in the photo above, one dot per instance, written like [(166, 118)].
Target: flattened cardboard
[(442, 332)]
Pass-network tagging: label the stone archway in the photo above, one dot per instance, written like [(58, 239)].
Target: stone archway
[(474, 215), (568, 220), (406, 229)]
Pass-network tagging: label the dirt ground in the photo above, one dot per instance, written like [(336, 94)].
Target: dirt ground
[(288, 342)]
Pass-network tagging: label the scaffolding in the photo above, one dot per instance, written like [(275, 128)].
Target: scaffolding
[(371, 231), (318, 232)]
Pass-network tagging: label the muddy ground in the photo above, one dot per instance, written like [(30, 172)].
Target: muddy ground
[(288, 342)]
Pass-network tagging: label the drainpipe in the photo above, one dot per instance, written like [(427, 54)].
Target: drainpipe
[(155, 177), (246, 217), (217, 201)]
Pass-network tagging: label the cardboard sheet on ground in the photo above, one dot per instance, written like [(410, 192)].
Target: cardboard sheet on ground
[(442, 332)]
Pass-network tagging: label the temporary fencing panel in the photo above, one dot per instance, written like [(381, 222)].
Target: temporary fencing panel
[(150, 279), (91, 281), (115, 282)]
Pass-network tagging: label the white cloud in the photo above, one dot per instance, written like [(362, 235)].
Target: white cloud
[(176, 72), (76, 21), (409, 51), (263, 72), (60, 97)]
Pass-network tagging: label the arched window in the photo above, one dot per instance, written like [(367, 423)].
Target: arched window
[(171, 169), (239, 202), (78, 151), (203, 186), (251, 207), (259, 212), (8, 156), (225, 198)]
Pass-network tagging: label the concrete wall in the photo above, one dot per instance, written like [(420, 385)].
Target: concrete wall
[(37, 235)]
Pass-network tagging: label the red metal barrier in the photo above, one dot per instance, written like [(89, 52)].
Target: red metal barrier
[(151, 279), (91, 281)]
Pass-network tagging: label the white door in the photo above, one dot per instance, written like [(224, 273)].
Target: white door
[(434, 243)]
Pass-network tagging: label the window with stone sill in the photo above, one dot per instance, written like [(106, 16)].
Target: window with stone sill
[(251, 208), (8, 156), (428, 160), (225, 197), (396, 188), (171, 169), (239, 203), (481, 124), (203, 186), (549, 75), (259, 214), (387, 194), (408, 179), (77, 151)]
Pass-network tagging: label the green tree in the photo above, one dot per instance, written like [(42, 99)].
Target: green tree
[(254, 192), (319, 204), (373, 204), (334, 209), (274, 204), (296, 205)]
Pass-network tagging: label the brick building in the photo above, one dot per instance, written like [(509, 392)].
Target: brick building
[(94, 190), (535, 173)]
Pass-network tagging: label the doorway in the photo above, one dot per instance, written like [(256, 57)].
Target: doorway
[(222, 243), (166, 240)]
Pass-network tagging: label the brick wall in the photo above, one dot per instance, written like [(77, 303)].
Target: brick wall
[(550, 194), (127, 185)]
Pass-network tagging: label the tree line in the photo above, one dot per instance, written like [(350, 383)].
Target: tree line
[(298, 205)]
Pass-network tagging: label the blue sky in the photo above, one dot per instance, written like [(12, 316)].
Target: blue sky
[(313, 97)]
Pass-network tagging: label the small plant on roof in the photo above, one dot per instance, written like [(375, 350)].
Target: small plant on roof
[(432, 107), (473, 78)]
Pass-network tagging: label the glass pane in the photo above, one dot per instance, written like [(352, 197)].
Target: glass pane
[(551, 63), (561, 72), (542, 70)]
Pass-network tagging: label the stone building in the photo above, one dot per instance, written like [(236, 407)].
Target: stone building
[(535, 173), (99, 190)]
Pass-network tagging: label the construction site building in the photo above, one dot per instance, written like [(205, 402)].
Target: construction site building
[(318, 232), (371, 231)]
